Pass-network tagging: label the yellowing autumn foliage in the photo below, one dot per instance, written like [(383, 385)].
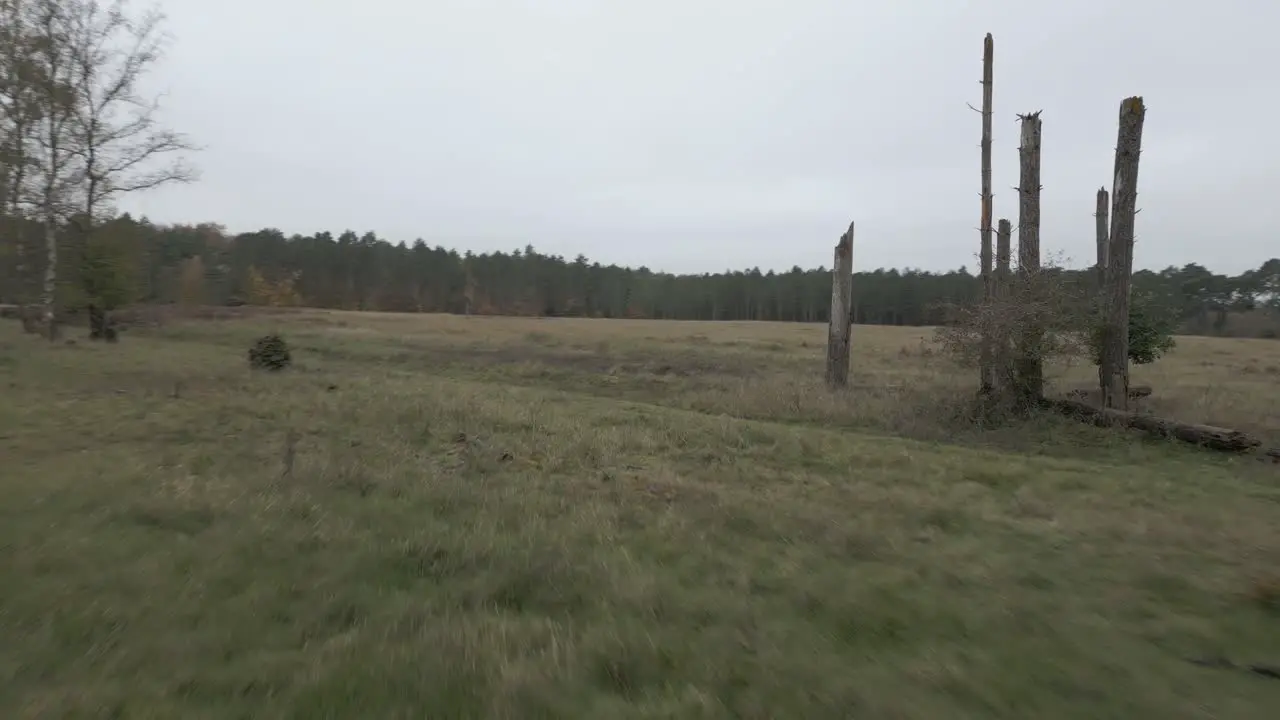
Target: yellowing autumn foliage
[(280, 293), (191, 290)]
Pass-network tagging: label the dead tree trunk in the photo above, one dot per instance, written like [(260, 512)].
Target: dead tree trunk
[(839, 331), (1030, 362), (1104, 232), (1003, 372), (1113, 370), (986, 363)]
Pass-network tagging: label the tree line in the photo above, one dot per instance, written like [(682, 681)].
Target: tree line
[(128, 261), (77, 135)]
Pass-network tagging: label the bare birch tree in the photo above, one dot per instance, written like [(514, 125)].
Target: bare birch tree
[(54, 175), (94, 136), (119, 141)]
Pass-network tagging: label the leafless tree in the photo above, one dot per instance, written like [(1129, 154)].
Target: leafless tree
[(117, 136), (1113, 370), (1030, 360), (840, 322), (54, 175), (986, 366), (93, 136)]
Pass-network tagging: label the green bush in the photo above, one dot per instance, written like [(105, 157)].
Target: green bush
[(270, 352), (1150, 334)]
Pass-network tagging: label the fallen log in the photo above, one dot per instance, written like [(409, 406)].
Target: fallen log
[(1208, 436), (1135, 392)]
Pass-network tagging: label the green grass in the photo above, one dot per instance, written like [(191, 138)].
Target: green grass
[(450, 518)]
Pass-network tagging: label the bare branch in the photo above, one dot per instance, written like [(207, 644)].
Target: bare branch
[(75, 130), (119, 139)]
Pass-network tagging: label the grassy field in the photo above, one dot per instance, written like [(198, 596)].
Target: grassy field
[(446, 517)]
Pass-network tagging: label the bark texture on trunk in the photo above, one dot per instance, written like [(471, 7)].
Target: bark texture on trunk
[(1003, 358), (1103, 233), (1207, 436), (986, 363), (839, 330), (1113, 370), (1030, 362), (49, 294)]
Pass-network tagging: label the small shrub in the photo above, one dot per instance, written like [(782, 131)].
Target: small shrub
[(101, 325), (270, 352), (32, 319), (1150, 335), (1043, 308)]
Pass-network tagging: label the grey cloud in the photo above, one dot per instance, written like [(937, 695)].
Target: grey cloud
[(691, 136)]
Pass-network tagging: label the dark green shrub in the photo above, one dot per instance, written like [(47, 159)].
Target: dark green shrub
[(270, 352), (1150, 334)]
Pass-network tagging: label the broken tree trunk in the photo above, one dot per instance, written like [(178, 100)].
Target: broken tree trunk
[(839, 330), (1103, 232), (986, 362), (1208, 436), (1029, 361), (1003, 370), (1113, 369)]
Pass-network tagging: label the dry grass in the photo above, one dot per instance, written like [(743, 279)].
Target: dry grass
[(489, 517)]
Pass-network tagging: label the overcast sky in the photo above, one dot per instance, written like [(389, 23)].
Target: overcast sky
[(695, 135)]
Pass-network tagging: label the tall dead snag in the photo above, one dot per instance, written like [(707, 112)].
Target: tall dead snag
[(1029, 362), (986, 360), (840, 328), (1104, 232), (1003, 370), (1113, 370)]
